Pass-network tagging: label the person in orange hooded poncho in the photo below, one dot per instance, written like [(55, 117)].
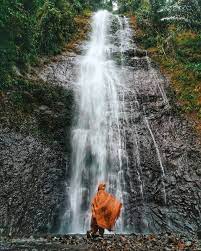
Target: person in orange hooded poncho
[(105, 211)]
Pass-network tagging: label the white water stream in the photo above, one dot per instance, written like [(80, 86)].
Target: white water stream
[(98, 147)]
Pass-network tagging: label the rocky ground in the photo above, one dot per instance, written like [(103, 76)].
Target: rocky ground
[(162, 242)]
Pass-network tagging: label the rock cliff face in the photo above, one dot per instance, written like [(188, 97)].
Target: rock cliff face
[(34, 157), (32, 177), (163, 188), (163, 175)]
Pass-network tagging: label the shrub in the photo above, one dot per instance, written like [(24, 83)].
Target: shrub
[(55, 26), (17, 44), (29, 28)]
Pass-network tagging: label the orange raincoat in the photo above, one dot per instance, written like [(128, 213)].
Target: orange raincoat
[(105, 208)]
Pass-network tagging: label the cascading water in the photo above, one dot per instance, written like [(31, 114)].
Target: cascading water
[(97, 139)]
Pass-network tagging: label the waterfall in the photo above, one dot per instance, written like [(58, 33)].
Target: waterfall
[(97, 138), (125, 133)]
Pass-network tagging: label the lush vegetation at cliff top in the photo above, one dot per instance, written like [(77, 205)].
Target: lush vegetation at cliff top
[(170, 31), (31, 28)]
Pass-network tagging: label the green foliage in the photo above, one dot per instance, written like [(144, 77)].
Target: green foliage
[(78, 6), (143, 17), (128, 5), (183, 13), (29, 28), (184, 68), (99, 4), (195, 67), (55, 26), (160, 13), (17, 44)]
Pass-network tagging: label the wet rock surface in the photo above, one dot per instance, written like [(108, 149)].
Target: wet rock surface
[(162, 242), (163, 191), (31, 184), (63, 70)]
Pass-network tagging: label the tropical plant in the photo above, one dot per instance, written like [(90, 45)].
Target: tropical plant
[(55, 25)]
